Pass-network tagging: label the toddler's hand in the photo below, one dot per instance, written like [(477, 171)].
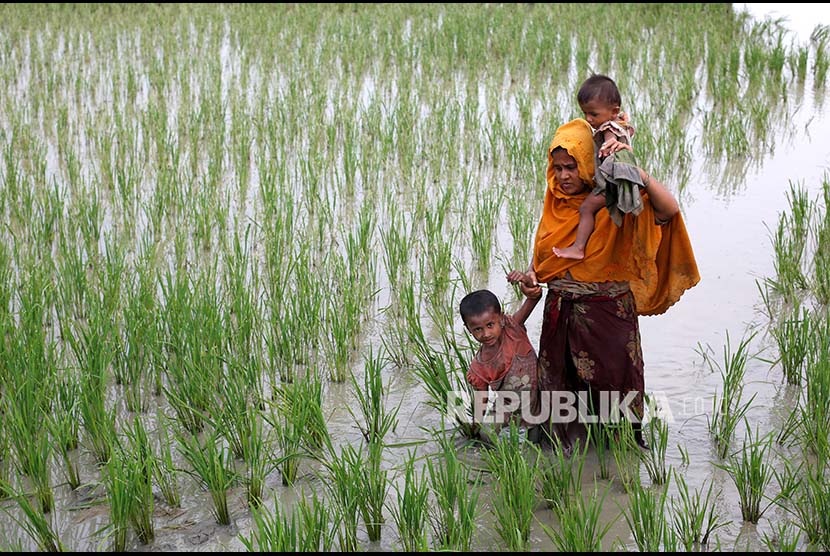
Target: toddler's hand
[(613, 146)]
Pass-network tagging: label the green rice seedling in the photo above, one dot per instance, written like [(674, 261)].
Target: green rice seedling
[(410, 513), (601, 438), (579, 524), (163, 468), (561, 475), (63, 428), (99, 422), (27, 371), (770, 303), (438, 244), (65, 416), (402, 317), (361, 250), (315, 525), (94, 352), (373, 482), (73, 289), (116, 477), (311, 395), (654, 459), (35, 525), (258, 458), (804, 494), (32, 448), (646, 517), (311, 303), (285, 320), (290, 423), (89, 218), (396, 240), (783, 538), (242, 315), (306, 529), (138, 352), (695, 516), (812, 503), (684, 456), (820, 284), (455, 493), (814, 404), (241, 138), (272, 532), (441, 310), (5, 457), (727, 411), (789, 242), (440, 255), (192, 343), (793, 337), (515, 487), (140, 463), (789, 278), (798, 63), (212, 466), (798, 217), (625, 452), (751, 473), (343, 483), (483, 224), (342, 322), (374, 420), (521, 220), (234, 421), (443, 375)]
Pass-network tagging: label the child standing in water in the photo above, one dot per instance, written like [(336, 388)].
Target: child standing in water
[(506, 361), (616, 178)]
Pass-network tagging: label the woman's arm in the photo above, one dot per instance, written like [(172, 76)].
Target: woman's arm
[(664, 203)]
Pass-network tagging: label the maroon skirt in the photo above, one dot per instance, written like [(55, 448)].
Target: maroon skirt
[(590, 344)]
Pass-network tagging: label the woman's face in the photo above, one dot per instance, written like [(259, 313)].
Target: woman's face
[(567, 172)]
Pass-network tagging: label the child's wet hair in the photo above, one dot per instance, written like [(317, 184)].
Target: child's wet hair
[(599, 87), (478, 302)]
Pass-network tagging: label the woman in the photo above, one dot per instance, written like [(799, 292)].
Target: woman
[(590, 338)]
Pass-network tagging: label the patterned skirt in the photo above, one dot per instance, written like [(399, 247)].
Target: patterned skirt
[(590, 343)]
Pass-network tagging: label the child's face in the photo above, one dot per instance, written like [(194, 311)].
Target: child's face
[(597, 112), (486, 327)]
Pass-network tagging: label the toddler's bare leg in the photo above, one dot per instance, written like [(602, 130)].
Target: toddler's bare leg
[(587, 210)]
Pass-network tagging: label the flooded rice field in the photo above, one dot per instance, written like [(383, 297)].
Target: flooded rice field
[(236, 239)]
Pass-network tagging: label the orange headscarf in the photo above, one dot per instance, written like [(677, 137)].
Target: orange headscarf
[(657, 261)]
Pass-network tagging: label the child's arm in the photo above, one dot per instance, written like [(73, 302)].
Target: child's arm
[(531, 290)]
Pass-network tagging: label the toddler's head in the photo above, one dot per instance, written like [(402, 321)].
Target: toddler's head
[(599, 99), (481, 313)]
